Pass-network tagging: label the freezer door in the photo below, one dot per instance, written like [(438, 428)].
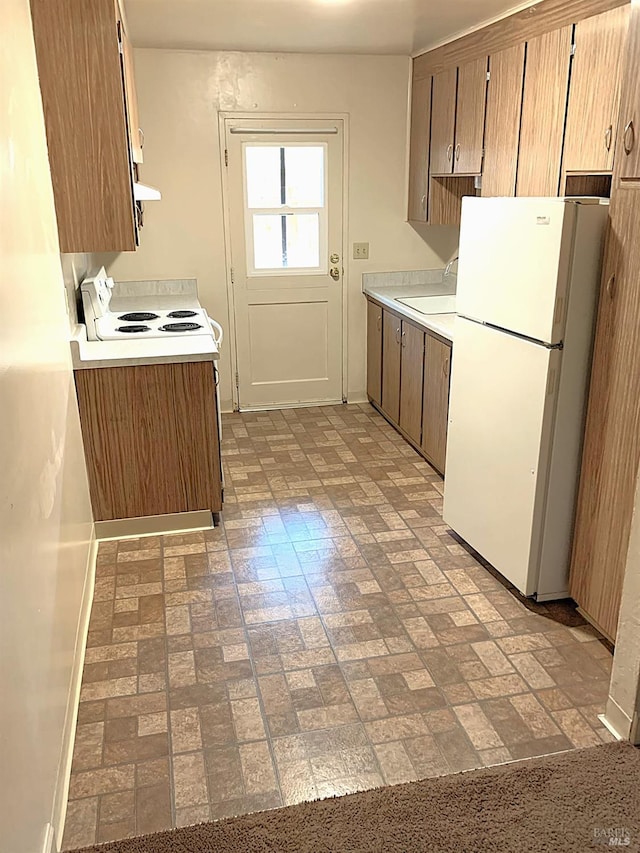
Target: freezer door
[(503, 396), (515, 260)]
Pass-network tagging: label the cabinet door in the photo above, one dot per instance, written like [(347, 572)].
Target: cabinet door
[(594, 95), (471, 100), (630, 112), (437, 372), (443, 121), (546, 82), (131, 98), (419, 156), (612, 438), (150, 439), (391, 330), (502, 129), (411, 375), (374, 352)]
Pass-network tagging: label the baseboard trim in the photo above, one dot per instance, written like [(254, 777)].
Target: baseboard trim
[(49, 840), (150, 525), (616, 720), (71, 715)]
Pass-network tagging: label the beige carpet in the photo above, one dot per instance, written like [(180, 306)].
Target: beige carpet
[(568, 802)]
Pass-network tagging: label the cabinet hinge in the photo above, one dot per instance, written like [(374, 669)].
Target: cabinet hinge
[(233, 281), (573, 50), (237, 379), (226, 156)]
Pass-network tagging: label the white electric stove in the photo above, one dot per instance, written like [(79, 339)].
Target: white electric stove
[(104, 324)]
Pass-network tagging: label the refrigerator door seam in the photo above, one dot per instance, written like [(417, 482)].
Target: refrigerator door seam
[(559, 345)]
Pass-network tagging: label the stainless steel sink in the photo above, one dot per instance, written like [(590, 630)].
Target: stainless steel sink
[(430, 304)]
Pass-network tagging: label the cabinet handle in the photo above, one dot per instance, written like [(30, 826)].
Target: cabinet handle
[(458, 151), (423, 201), (608, 137), (141, 137), (449, 151), (404, 342), (445, 368), (611, 286), (398, 336), (379, 322), (629, 138)]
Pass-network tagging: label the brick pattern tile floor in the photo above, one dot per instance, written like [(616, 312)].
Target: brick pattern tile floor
[(331, 635)]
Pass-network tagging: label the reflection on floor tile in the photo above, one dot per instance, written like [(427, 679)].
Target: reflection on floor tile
[(332, 635)]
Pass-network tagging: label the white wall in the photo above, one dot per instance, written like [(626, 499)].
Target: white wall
[(45, 516), (180, 94)]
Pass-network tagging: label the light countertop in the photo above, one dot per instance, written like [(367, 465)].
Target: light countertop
[(385, 290), (143, 296), (87, 354)]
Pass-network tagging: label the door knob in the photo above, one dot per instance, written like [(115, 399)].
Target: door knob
[(334, 273)]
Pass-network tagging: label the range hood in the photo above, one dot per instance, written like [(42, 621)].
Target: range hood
[(143, 192)]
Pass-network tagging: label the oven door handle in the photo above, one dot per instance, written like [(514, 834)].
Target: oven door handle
[(216, 328)]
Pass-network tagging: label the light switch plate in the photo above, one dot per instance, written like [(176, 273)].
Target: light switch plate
[(360, 251)]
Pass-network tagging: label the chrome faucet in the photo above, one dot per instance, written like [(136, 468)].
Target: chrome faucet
[(447, 269)]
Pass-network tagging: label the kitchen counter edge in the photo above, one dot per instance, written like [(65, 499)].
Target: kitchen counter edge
[(87, 354), (444, 326)]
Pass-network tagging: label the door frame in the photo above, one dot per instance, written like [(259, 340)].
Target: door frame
[(232, 336)]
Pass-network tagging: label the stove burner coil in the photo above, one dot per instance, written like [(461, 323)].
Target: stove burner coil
[(133, 330), (182, 314), (180, 327), (138, 316)]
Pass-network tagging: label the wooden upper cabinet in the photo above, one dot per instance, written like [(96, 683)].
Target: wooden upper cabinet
[(419, 156), (85, 113), (594, 94), (443, 121), (470, 107), (374, 352), (629, 149), (502, 127), (546, 83), (136, 136)]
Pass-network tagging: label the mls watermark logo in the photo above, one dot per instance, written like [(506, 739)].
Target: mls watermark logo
[(612, 836)]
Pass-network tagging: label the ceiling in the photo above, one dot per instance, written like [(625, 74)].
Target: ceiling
[(308, 26)]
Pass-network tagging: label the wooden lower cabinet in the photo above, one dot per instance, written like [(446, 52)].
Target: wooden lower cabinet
[(414, 389), (435, 409), (391, 350), (612, 437), (411, 381), (374, 352), (150, 439)]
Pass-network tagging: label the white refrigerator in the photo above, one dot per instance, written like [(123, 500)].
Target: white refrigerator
[(528, 281)]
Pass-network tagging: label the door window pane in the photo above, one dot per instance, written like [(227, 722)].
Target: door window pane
[(290, 240), (290, 176), (304, 176), (263, 176), (285, 214)]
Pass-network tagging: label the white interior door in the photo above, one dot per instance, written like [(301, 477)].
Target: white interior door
[(515, 259), (501, 415), (285, 186)]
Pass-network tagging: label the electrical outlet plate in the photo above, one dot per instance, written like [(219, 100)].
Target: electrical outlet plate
[(360, 251)]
